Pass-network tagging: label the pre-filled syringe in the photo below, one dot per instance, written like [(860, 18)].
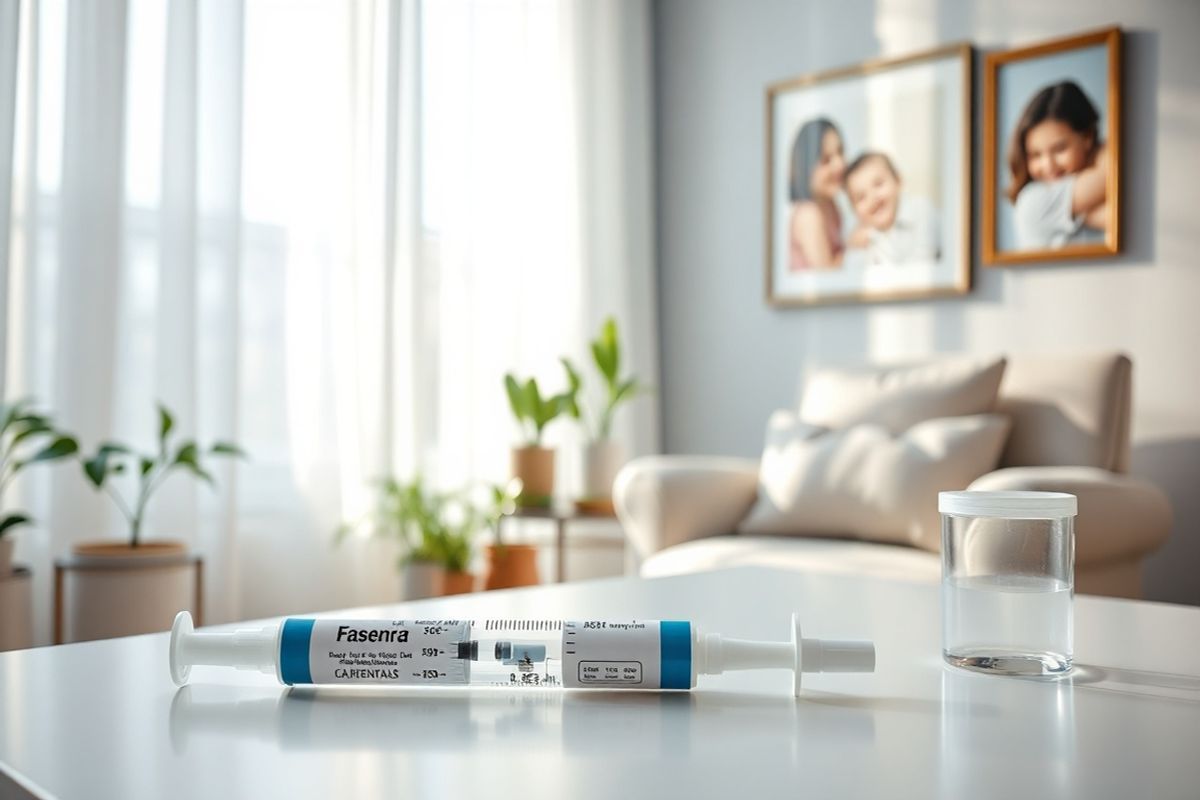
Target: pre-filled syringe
[(580, 654)]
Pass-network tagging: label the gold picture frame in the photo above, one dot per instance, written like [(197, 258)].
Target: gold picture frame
[(910, 118), (1070, 90)]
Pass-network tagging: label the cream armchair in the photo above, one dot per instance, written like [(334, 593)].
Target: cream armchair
[(1070, 433)]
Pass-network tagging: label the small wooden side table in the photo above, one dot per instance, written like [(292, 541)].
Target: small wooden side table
[(560, 513)]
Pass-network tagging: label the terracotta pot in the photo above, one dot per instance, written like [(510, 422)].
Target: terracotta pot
[(602, 460), (511, 565), (457, 582), (535, 468), (113, 589)]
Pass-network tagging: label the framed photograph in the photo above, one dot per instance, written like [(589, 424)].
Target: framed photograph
[(1052, 150), (868, 185)]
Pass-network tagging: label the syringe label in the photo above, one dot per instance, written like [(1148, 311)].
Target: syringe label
[(635, 655), (399, 652)]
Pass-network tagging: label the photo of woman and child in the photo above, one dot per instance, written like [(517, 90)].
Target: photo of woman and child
[(890, 225), (868, 181), (1058, 167), (1051, 160)]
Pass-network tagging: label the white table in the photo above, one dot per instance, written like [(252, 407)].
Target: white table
[(103, 720)]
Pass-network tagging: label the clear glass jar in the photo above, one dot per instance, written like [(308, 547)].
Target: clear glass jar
[(1008, 581)]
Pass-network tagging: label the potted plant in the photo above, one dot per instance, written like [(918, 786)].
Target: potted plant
[(533, 464), (136, 585), (26, 438), (603, 456), (436, 531)]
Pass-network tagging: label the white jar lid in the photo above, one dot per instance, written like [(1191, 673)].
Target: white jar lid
[(1010, 505)]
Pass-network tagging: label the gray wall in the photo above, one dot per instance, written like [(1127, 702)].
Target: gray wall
[(728, 360)]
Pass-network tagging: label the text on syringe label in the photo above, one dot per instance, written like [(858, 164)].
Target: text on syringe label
[(407, 652), (610, 672)]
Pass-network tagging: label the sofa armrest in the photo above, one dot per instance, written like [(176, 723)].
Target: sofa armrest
[(1121, 518), (666, 500)]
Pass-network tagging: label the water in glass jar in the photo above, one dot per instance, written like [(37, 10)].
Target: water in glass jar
[(1007, 624)]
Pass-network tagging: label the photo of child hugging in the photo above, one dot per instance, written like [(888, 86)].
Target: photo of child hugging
[(1059, 170), (893, 226), (1052, 150)]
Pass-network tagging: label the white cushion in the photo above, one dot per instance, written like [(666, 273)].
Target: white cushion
[(1067, 411), (827, 556), (899, 397), (863, 482)]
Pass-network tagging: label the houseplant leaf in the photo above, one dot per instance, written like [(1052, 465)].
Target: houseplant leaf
[(199, 472), (11, 521), (188, 457), (96, 470), (186, 453), (533, 402), (570, 399), (31, 428), (574, 380), (11, 412), (603, 361), (626, 391), (60, 447), (165, 423), (516, 399)]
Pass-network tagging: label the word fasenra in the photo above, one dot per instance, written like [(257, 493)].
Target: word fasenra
[(346, 633)]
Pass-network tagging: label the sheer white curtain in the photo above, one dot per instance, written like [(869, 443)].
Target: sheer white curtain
[(537, 211), (260, 213)]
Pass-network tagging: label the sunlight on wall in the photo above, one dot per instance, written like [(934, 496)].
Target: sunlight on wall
[(899, 333), (906, 26), (896, 333)]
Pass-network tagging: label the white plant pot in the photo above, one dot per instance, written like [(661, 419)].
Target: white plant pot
[(16, 610), (602, 460), (123, 591), (420, 579)]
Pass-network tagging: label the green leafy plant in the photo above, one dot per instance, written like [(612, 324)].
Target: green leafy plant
[(534, 412), (606, 355), (152, 470), (26, 437), (432, 527)]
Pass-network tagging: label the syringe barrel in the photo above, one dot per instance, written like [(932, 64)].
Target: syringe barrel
[(651, 654)]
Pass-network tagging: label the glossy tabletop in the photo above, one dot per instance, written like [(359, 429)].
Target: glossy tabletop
[(103, 720)]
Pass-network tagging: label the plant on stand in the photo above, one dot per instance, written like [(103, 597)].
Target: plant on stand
[(152, 575), (436, 532), (603, 456), (533, 464), (26, 437)]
